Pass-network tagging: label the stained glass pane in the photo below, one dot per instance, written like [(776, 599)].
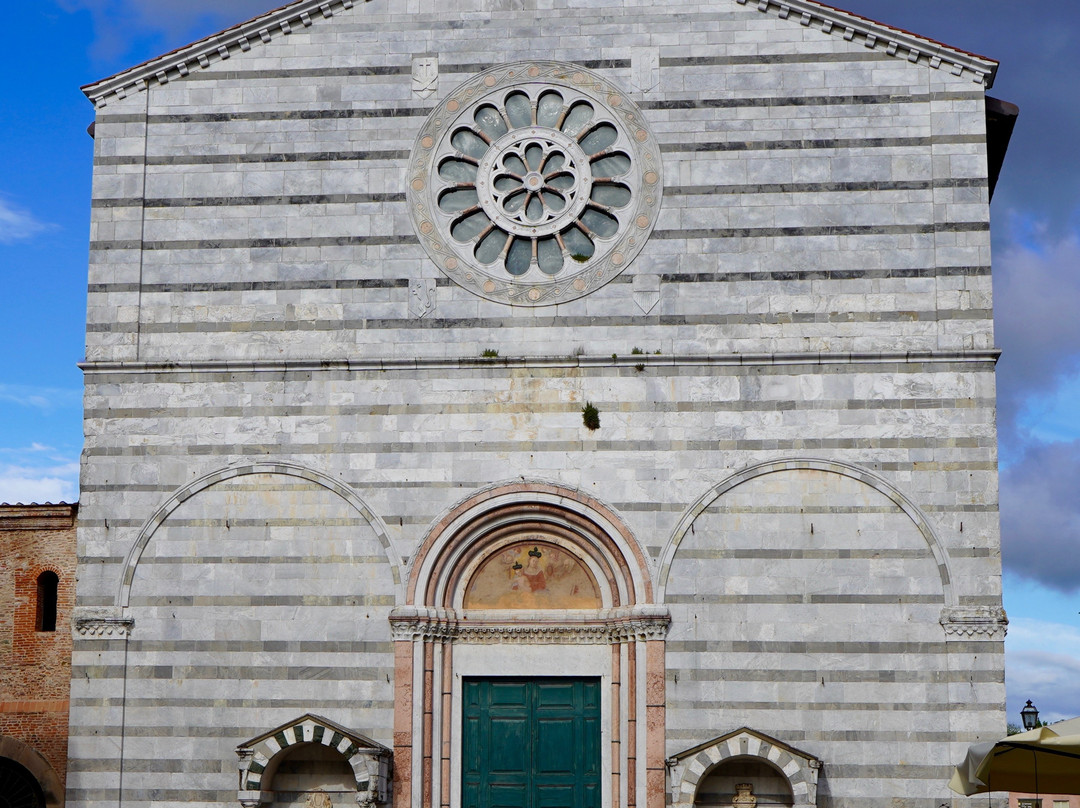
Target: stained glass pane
[(490, 122), (578, 244), (466, 229), (603, 224), (461, 199), (490, 246), (614, 196), (580, 114), (599, 138), (469, 143), (549, 108), (549, 256), (519, 257), (614, 165), (457, 171), (519, 110)]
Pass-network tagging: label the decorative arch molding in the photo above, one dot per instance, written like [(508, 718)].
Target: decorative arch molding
[(464, 527), (865, 476), (286, 468), (451, 628), (38, 767), (259, 757), (688, 769)]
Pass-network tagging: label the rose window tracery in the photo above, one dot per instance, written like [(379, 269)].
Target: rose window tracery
[(534, 183)]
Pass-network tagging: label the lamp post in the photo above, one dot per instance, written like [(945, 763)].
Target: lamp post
[(1030, 716)]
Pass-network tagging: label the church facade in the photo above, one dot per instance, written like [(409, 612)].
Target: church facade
[(509, 403)]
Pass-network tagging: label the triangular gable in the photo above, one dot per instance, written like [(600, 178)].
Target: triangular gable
[(303, 13), (361, 742), (761, 736)]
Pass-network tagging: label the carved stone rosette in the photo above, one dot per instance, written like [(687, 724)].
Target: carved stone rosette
[(534, 183)]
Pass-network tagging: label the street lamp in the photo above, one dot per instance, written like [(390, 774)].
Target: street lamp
[(1030, 716)]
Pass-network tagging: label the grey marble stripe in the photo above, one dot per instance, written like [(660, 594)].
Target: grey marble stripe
[(255, 244), (802, 647), (247, 159), (891, 676), (265, 673), (868, 99), (391, 111), (797, 598), (262, 646), (310, 409), (308, 601), (402, 283), (538, 446), (789, 554), (676, 190), (823, 143), (771, 318), (932, 708), (826, 230), (259, 703)]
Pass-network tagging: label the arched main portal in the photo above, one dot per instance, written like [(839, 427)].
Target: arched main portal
[(529, 591)]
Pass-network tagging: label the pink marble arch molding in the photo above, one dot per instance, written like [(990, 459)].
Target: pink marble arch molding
[(595, 527)]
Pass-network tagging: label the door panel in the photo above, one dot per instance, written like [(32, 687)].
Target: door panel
[(531, 743)]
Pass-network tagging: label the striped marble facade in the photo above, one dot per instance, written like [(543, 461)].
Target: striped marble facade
[(794, 481)]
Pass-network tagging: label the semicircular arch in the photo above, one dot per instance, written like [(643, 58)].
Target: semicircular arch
[(865, 476), (288, 469), (455, 538), (36, 765)]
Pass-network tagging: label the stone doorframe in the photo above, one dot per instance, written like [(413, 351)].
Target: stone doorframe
[(689, 768), (437, 641)]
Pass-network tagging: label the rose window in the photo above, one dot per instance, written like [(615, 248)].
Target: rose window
[(534, 183)]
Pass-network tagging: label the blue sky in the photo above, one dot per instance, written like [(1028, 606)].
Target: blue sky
[(44, 225)]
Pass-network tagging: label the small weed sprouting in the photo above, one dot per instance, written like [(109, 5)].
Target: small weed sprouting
[(590, 416), (490, 353), (638, 352)]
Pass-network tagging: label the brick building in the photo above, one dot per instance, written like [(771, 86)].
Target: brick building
[(37, 593), (565, 403)]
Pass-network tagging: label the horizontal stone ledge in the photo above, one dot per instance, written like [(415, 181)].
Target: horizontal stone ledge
[(627, 360)]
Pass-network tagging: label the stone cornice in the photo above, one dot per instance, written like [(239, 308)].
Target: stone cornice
[(213, 49), (894, 41), (610, 626), (119, 627), (975, 622), (630, 360)]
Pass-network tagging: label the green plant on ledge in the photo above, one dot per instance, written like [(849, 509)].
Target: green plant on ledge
[(590, 416), (490, 353), (638, 352)]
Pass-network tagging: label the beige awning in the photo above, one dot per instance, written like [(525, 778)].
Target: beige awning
[(1042, 761)]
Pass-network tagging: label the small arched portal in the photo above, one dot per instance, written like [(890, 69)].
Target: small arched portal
[(27, 780), (529, 607), (745, 769), (313, 762)]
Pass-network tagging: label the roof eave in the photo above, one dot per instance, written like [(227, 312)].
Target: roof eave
[(873, 34)]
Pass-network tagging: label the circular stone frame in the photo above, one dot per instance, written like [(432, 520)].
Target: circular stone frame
[(584, 187)]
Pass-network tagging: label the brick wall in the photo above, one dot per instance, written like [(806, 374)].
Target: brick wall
[(35, 666)]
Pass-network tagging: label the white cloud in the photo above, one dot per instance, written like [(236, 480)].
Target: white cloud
[(116, 22), (41, 398), (28, 484), (17, 224), (1042, 663)]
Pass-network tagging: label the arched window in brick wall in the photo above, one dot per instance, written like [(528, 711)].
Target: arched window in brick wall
[(47, 584)]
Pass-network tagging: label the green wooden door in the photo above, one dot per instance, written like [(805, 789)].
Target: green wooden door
[(531, 743)]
